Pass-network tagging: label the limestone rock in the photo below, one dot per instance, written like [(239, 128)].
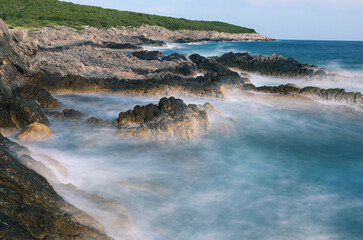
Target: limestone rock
[(170, 119), (33, 132)]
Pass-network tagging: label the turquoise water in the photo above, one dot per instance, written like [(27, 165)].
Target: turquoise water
[(270, 167)]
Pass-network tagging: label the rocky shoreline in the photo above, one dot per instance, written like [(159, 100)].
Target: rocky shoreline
[(35, 65)]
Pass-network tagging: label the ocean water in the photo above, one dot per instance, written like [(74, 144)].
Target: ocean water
[(270, 168)]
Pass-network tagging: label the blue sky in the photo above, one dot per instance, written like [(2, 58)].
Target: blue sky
[(281, 19)]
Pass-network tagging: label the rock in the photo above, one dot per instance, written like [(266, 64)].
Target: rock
[(171, 118), (72, 114), (26, 111), (98, 122), (210, 65), (6, 124), (208, 108), (276, 66), (30, 208), (149, 55), (34, 132), (334, 94), (56, 114), (120, 46), (40, 94)]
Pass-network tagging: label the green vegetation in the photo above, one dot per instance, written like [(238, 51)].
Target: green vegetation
[(50, 13)]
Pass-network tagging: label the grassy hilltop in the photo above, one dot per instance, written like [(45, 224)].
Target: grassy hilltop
[(50, 13)]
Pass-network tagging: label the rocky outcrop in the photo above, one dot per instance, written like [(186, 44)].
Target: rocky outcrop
[(33, 132), (208, 85), (30, 208), (273, 65), (334, 94), (38, 93), (15, 56), (170, 119), (26, 111)]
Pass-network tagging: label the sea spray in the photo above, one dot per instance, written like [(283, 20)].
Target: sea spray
[(270, 166)]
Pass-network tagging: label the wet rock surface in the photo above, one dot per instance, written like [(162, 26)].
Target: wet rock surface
[(26, 111), (171, 118), (40, 94), (334, 94), (30, 208)]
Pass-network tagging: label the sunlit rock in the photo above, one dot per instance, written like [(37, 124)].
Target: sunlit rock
[(171, 118), (34, 132)]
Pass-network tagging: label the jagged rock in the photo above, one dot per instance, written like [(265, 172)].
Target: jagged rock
[(56, 114), (30, 208), (333, 94), (6, 124), (26, 111), (273, 65), (171, 118), (208, 108), (43, 97), (149, 55), (71, 114), (211, 66), (98, 122), (34, 132)]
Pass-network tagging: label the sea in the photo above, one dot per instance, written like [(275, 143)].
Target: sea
[(270, 167)]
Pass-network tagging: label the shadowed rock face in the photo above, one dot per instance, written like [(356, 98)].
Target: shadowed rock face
[(171, 118), (30, 208), (333, 94), (38, 93)]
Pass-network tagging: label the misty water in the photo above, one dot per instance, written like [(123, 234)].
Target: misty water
[(269, 168)]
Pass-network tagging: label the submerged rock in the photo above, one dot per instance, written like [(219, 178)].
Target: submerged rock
[(72, 114), (171, 118), (33, 132)]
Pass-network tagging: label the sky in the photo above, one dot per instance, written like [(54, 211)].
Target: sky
[(280, 19)]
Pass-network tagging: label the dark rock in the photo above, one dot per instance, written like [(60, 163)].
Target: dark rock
[(282, 89), (120, 46), (333, 94), (72, 114), (186, 69), (212, 66), (26, 111), (6, 124), (56, 114), (98, 122), (175, 56), (149, 55), (271, 65), (43, 97)]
